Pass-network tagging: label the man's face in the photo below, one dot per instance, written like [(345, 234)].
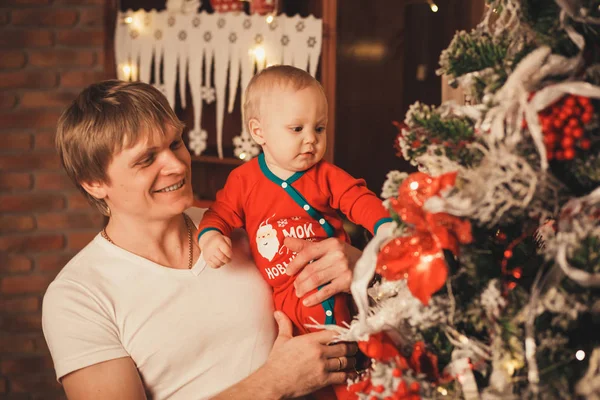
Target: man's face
[(293, 124), (151, 178)]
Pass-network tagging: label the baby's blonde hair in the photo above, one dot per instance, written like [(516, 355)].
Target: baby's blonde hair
[(277, 76)]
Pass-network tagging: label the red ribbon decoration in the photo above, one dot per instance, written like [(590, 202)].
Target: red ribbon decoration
[(379, 346), (419, 257)]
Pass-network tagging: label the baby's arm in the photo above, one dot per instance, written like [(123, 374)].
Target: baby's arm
[(224, 215), (216, 248), (352, 197)]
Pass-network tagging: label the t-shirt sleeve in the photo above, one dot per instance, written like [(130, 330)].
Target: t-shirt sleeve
[(78, 329)]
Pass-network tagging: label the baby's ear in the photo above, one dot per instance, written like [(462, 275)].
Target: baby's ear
[(256, 132)]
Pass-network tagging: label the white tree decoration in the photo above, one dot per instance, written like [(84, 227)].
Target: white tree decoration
[(190, 45), (245, 147)]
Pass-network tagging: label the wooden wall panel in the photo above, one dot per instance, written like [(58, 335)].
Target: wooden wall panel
[(388, 51)]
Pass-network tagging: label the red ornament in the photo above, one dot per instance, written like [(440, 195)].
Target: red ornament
[(563, 122), (424, 362), (363, 386), (569, 154), (379, 346), (585, 144), (224, 6), (419, 257), (262, 6)]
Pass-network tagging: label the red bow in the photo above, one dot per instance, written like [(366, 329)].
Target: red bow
[(419, 257), (379, 346)]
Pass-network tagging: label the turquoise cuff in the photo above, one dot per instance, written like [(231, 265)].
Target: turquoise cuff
[(203, 231), (381, 222)]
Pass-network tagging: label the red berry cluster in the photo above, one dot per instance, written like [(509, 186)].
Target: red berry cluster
[(563, 126)]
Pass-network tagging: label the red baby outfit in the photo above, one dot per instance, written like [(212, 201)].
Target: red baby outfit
[(303, 206)]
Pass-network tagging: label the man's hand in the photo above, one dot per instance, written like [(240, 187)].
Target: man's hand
[(328, 263), (216, 249), (302, 364)]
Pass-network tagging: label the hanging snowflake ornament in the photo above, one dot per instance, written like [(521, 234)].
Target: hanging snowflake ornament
[(198, 139), (208, 94), (245, 147)]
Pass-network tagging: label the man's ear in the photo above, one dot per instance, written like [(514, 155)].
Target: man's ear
[(256, 132), (95, 189)]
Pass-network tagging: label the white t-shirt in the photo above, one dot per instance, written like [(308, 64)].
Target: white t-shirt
[(191, 333)]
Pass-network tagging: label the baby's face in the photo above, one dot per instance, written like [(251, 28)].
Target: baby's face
[(294, 128)]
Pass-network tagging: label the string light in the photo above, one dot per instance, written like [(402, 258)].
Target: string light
[(442, 391), (242, 156), (259, 54), (129, 71), (270, 18), (433, 6), (414, 185), (128, 20), (580, 355)]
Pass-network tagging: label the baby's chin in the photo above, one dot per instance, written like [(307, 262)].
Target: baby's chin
[(303, 165)]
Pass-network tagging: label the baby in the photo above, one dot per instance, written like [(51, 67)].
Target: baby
[(288, 191)]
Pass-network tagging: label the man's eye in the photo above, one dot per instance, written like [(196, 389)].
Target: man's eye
[(147, 161)]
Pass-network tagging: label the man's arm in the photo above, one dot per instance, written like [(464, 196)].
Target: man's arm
[(296, 366), (113, 379)]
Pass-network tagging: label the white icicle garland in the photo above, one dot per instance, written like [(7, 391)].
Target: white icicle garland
[(392, 183), (492, 300), (396, 308), (577, 222), (435, 165), (512, 180), (508, 20), (589, 385)]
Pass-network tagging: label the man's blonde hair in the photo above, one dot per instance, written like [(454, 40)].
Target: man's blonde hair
[(105, 117), (277, 76)]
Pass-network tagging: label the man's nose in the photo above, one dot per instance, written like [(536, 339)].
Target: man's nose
[(172, 164)]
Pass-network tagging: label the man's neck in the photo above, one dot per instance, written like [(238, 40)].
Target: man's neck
[(163, 242)]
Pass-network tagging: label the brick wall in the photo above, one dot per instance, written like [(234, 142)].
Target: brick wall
[(49, 51)]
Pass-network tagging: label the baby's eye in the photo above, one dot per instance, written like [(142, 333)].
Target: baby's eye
[(176, 144), (320, 129), (297, 129)]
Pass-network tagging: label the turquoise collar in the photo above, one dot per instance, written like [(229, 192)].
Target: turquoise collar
[(274, 178)]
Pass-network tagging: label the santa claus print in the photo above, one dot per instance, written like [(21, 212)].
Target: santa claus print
[(266, 240)]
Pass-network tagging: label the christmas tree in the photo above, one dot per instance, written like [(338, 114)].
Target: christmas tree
[(489, 281)]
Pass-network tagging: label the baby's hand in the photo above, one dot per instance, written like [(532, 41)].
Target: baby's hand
[(216, 249)]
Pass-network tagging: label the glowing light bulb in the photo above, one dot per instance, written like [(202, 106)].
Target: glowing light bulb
[(270, 19), (434, 7), (259, 54), (128, 71), (442, 391), (128, 20), (242, 156), (414, 185), (580, 355)]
